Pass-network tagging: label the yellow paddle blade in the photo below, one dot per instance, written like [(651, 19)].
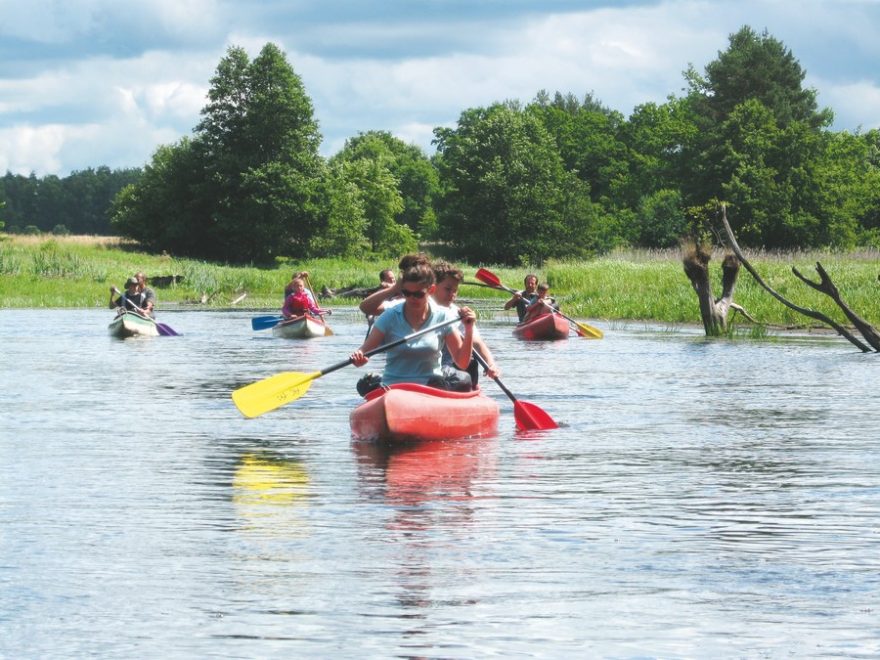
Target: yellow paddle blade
[(589, 331), (327, 331), (270, 393)]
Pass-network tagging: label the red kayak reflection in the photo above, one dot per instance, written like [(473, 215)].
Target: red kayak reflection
[(416, 473)]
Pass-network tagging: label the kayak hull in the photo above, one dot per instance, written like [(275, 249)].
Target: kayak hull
[(130, 324), (547, 327), (300, 327), (407, 412)]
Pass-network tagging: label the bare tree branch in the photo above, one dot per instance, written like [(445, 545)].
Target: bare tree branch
[(826, 286), (819, 316)]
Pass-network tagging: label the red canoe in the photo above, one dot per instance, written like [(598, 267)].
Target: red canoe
[(544, 327), (416, 412)]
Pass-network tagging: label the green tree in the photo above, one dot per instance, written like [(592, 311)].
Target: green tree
[(344, 225), (660, 219), (248, 186), (656, 137), (382, 203), (587, 138), (80, 201), (759, 142), (757, 67), (506, 196), (258, 143), (416, 177), (162, 210), (868, 160)]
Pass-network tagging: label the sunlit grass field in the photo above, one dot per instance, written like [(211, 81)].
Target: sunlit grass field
[(77, 271)]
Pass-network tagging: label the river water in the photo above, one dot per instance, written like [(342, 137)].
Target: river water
[(703, 498)]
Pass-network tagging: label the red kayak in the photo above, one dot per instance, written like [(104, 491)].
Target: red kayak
[(545, 327), (416, 412)]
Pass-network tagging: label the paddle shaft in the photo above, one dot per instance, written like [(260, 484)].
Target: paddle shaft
[(479, 358), (390, 345), (528, 416), (311, 291), (567, 318)]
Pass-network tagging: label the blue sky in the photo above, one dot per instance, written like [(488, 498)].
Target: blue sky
[(85, 83)]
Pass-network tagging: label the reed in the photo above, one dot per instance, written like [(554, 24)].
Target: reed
[(643, 285)]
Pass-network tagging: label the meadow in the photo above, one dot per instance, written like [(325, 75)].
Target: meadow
[(78, 271)]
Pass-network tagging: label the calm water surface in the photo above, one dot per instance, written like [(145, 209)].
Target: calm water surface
[(702, 499)]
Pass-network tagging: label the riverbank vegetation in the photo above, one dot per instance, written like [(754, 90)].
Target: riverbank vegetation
[(77, 272)]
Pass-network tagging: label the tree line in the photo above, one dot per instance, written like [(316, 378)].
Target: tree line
[(76, 204), (559, 176)]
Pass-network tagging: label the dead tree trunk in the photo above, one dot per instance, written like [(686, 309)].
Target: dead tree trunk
[(713, 311), (825, 286)]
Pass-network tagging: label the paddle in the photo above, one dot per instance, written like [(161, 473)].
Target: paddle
[(270, 393), (528, 416), (327, 331), (165, 330), (582, 329)]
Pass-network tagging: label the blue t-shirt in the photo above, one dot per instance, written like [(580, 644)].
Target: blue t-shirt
[(418, 359), (447, 360)]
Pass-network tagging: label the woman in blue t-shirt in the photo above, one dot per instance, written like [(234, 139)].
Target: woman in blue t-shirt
[(418, 360)]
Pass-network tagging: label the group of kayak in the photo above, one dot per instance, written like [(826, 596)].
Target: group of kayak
[(428, 388), (434, 357)]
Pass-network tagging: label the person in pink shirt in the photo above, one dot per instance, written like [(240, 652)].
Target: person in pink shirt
[(299, 302)]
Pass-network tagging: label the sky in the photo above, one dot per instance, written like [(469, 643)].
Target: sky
[(85, 83)]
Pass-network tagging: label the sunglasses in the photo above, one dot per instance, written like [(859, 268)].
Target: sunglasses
[(414, 294)]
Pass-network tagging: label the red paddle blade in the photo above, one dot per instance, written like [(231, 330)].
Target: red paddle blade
[(488, 277), (530, 417)]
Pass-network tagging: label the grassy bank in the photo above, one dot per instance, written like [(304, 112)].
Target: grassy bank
[(78, 271)]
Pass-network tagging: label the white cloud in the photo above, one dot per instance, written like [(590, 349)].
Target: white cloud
[(403, 72), (26, 149), (855, 105)]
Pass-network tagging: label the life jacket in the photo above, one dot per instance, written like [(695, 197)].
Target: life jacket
[(298, 304)]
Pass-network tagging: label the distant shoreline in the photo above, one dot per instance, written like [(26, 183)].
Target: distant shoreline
[(635, 286)]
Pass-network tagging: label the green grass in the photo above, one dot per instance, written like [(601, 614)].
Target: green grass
[(58, 272)]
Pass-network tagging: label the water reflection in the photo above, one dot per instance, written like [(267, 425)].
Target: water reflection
[(430, 486), (269, 493)]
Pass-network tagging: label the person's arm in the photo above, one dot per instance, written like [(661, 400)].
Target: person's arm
[(516, 298), (287, 309), (317, 311), (482, 348), (373, 304), (460, 347), (373, 340), (114, 303), (149, 300)]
